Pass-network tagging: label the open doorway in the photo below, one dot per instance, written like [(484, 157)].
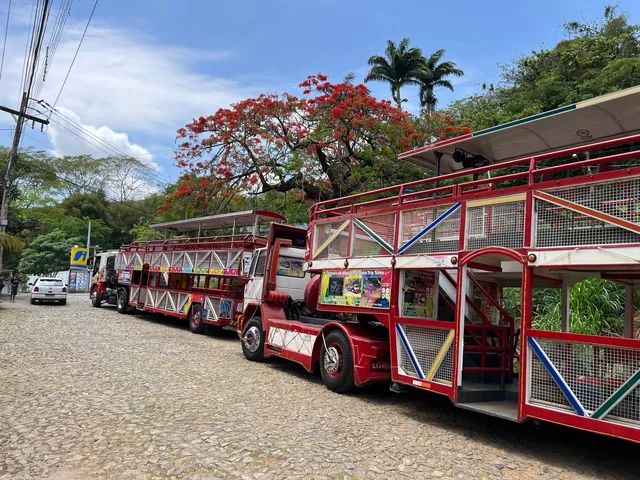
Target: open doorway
[(488, 368)]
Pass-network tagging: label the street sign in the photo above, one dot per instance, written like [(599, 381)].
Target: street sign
[(79, 257)]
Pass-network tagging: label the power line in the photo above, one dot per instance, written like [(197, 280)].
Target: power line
[(30, 64), (82, 187), (26, 49), (54, 39), (76, 53), (95, 140), (4, 45), (87, 137)]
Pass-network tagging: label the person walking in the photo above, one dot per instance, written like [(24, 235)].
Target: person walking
[(2, 279), (14, 281)]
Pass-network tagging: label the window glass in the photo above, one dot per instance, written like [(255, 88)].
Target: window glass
[(214, 282), (290, 267), (50, 282), (260, 265)]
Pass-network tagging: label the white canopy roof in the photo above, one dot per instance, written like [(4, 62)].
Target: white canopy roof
[(223, 220), (608, 116)]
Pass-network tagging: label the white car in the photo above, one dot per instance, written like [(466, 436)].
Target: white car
[(47, 289)]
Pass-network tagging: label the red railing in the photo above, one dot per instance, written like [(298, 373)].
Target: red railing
[(533, 176), (202, 243)]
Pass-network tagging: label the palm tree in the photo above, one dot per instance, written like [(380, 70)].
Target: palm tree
[(434, 75), (400, 66), (10, 243)]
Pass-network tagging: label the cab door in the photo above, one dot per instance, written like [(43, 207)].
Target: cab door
[(253, 288)]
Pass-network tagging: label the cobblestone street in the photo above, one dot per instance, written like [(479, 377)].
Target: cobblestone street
[(89, 393)]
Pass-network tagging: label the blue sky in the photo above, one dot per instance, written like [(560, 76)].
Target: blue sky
[(147, 67)]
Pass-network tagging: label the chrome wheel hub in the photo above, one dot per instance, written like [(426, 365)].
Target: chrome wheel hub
[(251, 339), (331, 360)]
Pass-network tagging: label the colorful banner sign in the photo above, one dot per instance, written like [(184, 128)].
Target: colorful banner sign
[(356, 288), (419, 294)]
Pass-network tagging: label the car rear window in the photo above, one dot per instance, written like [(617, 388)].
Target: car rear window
[(53, 282)]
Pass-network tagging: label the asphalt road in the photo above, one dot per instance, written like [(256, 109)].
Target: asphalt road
[(89, 393)]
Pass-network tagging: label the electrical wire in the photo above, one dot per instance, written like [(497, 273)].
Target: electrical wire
[(26, 53), (54, 40), (76, 53), (109, 150), (90, 190), (97, 141), (4, 45)]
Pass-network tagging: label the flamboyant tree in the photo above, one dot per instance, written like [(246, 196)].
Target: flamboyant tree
[(328, 142)]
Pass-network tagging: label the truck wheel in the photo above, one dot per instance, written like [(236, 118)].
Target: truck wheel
[(95, 298), (123, 301), (196, 325), (336, 362), (253, 340)]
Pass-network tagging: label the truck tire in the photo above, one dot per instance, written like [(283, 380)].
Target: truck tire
[(95, 298), (122, 301), (253, 338), (196, 325), (336, 362)]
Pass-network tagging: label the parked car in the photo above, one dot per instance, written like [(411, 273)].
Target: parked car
[(46, 289)]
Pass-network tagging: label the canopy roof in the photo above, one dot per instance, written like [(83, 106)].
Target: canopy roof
[(223, 220), (600, 118)]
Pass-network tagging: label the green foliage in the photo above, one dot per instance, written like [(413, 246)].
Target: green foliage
[(48, 253), (401, 66), (141, 231), (596, 58), (10, 242), (596, 306)]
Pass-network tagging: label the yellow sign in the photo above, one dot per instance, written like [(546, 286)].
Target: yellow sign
[(79, 257)]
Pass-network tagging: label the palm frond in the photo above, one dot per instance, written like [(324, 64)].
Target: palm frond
[(10, 242)]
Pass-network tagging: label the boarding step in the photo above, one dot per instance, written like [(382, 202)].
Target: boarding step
[(507, 410)]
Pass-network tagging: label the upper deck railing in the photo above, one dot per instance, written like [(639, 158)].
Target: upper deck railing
[(220, 255), (547, 200), (217, 242)]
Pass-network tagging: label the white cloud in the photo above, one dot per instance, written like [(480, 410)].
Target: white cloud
[(99, 141), (123, 86), (135, 85)]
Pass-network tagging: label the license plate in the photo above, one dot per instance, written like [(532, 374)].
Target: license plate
[(49, 294)]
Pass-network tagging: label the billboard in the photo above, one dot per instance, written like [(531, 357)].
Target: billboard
[(79, 256)]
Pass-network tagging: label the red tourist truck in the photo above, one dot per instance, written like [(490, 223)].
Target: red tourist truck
[(200, 278), (407, 282)]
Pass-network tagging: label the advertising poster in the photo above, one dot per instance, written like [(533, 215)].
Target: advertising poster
[(356, 288), (419, 294)]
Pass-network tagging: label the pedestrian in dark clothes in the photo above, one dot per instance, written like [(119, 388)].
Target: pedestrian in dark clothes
[(14, 281)]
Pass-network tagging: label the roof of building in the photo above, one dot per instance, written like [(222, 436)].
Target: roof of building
[(608, 116), (223, 220)]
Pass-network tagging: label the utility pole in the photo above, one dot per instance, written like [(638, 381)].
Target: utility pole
[(89, 240), (21, 116)]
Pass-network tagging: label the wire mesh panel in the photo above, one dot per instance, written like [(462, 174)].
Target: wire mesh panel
[(426, 343), (331, 240), (592, 372), (222, 256), (373, 235), (558, 225), (500, 225), (443, 237)]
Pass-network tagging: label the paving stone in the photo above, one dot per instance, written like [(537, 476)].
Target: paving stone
[(89, 393)]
